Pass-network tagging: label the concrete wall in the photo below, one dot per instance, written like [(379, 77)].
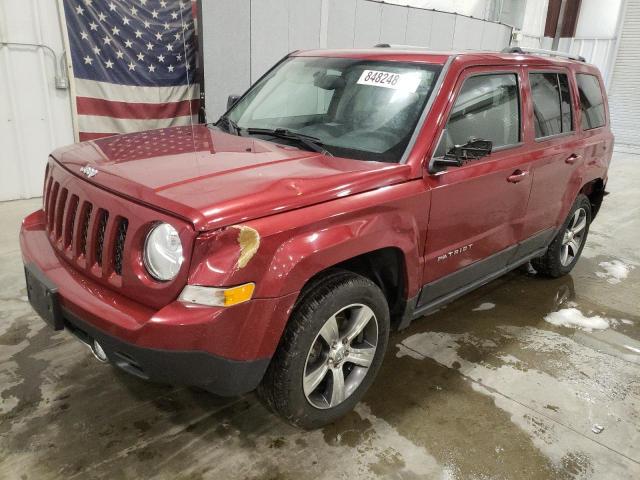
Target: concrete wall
[(243, 38)]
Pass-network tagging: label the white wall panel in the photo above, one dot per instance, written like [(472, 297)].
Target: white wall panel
[(442, 29), (341, 23), (394, 24), (227, 54), (368, 24), (419, 24), (277, 27), (269, 34), (35, 117), (304, 27)]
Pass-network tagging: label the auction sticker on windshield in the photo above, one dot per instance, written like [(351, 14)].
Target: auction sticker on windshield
[(398, 81)]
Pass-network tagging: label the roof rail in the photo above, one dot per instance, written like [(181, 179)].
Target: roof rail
[(400, 47), (541, 51)]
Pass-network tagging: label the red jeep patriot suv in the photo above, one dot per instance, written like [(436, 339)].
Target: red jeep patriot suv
[(346, 193)]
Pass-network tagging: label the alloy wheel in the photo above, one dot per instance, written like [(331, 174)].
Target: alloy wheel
[(340, 356), (573, 237)]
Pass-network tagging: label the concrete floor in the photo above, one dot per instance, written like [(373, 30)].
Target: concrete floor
[(484, 388)]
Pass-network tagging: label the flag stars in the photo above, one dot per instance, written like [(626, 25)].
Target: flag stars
[(143, 2), (174, 15), (96, 50), (178, 35), (112, 7), (115, 30), (102, 17), (170, 68), (169, 47), (154, 14), (119, 54), (132, 66), (128, 44), (138, 34), (88, 60), (163, 4), (140, 56), (88, 2), (166, 26), (158, 36), (125, 21), (149, 46), (134, 11), (152, 68), (84, 35), (161, 58), (147, 25), (106, 40), (79, 10), (179, 57), (93, 26), (108, 64)]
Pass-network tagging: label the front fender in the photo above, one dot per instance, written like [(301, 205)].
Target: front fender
[(294, 246)]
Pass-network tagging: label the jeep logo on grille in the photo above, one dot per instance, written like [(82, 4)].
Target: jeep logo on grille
[(89, 171)]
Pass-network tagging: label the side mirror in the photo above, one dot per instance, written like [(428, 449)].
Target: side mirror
[(231, 101), (460, 154)]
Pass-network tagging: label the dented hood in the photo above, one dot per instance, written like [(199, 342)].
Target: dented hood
[(214, 179)]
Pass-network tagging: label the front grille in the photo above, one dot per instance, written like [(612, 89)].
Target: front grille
[(102, 227), (84, 233), (101, 236), (118, 249), (80, 229)]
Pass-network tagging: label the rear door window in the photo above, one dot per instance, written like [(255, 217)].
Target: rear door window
[(487, 108), (591, 101), (552, 113)]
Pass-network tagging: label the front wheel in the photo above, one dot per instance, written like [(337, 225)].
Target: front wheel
[(566, 247), (330, 352)]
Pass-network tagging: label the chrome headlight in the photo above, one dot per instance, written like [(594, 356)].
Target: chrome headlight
[(163, 252)]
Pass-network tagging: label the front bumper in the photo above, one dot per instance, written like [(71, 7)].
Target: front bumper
[(223, 350), (218, 375)]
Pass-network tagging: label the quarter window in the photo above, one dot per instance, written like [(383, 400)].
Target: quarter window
[(591, 101), (487, 108), (552, 112)]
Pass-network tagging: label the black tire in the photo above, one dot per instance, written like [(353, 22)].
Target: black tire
[(281, 389), (551, 264)]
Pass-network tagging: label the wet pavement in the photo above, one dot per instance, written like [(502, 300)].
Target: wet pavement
[(484, 388)]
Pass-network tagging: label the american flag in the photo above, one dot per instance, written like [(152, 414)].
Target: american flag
[(133, 64)]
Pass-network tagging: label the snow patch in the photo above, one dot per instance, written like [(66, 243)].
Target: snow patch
[(574, 318), (614, 271), (484, 306)]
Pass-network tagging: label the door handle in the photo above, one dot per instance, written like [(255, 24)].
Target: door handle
[(573, 158), (517, 176)]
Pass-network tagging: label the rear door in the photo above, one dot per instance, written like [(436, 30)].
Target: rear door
[(557, 153), (476, 211)]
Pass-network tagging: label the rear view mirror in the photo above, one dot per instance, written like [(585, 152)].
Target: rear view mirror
[(232, 100), (458, 155)]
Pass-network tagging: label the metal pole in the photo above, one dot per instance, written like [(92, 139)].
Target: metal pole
[(556, 38)]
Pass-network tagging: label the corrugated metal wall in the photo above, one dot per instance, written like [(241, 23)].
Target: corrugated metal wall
[(624, 100), (35, 117), (243, 38)]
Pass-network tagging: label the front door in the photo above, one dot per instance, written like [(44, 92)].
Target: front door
[(475, 220)]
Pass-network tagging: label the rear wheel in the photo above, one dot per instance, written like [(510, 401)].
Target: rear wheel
[(566, 247), (330, 352)]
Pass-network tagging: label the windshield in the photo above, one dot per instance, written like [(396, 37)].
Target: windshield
[(354, 108)]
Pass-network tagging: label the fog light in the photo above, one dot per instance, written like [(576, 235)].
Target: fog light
[(98, 351)]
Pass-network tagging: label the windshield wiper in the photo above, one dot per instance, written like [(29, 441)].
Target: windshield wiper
[(231, 126), (311, 143)]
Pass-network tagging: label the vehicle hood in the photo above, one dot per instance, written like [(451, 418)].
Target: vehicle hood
[(214, 179)]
